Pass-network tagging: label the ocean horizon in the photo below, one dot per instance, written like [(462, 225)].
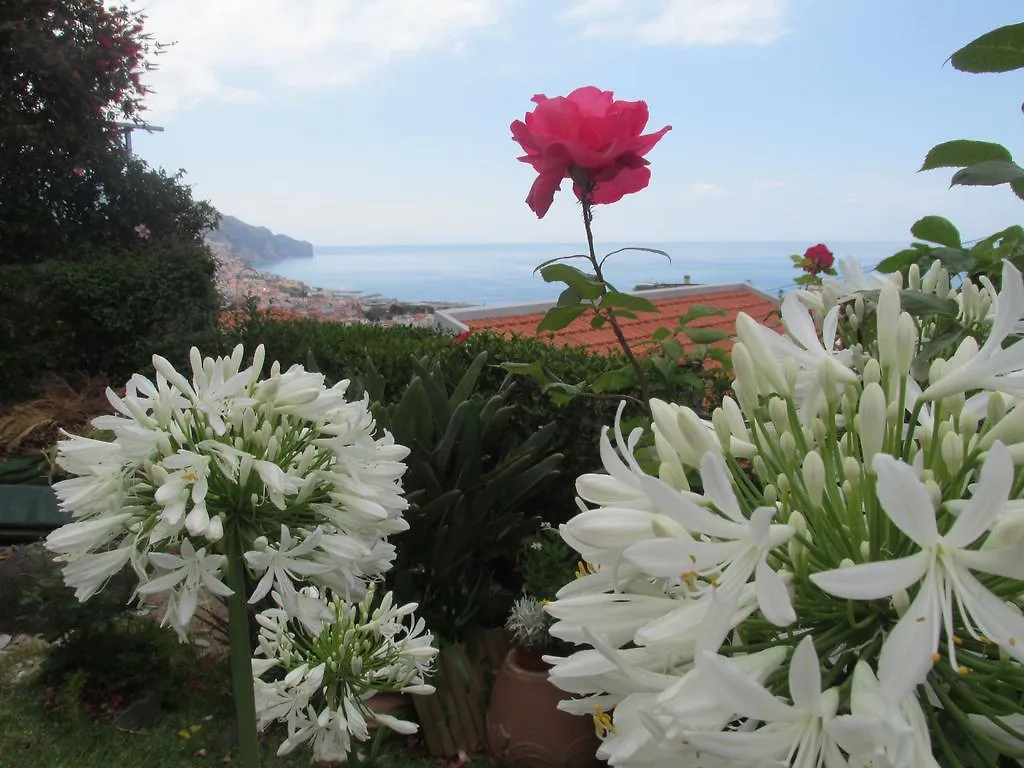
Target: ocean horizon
[(492, 274)]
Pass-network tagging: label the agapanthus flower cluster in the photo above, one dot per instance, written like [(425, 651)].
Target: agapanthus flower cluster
[(281, 469), (828, 572), (321, 676)]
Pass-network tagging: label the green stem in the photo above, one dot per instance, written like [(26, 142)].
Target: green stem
[(588, 215), (240, 647)]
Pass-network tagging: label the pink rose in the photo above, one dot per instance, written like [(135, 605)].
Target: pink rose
[(590, 138), (142, 231), (78, 170), (818, 258)]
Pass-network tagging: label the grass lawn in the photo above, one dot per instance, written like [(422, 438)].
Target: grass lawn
[(193, 731)]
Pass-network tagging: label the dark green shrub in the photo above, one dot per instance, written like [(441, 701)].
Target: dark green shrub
[(343, 351), (471, 485), (105, 312)]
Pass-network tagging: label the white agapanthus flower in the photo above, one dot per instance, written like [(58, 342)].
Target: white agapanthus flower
[(322, 676), (828, 572), (282, 467)]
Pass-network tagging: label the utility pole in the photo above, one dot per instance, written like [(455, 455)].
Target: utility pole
[(127, 128)]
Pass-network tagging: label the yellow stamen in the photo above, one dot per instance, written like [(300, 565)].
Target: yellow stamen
[(962, 670), (936, 656), (603, 725)]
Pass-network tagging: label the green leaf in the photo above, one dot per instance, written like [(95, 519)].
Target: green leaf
[(960, 153), (1017, 186), (531, 370), (705, 335), (568, 297), (587, 285), (672, 349), (560, 258), (635, 248), (955, 260), (936, 229), (988, 174), (615, 380), (627, 301), (558, 318), (1000, 50), (660, 334), (899, 261), (597, 322), (920, 304), (696, 312)]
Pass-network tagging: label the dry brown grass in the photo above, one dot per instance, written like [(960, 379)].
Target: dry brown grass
[(34, 425)]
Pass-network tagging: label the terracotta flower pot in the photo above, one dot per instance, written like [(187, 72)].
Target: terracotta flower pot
[(525, 728)]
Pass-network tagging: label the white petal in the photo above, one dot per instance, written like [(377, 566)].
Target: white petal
[(718, 486), (990, 495), (869, 581), (772, 595), (805, 677), (741, 693), (1004, 561), (906, 656), (403, 727), (905, 499)]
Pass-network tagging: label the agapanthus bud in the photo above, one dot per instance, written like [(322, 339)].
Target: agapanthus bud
[(782, 483), (796, 548), (215, 530), (770, 495), (859, 307), (952, 449), (787, 444), (813, 471), (260, 543), (900, 602), (906, 343), (722, 431), (914, 277), (887, 314), (865, 551), (745, 384), (818, 430), (760, 468), (872, 372), (995, 410), (779, 413), (846, 563), (851, 469), (871, 428), (934, 492)]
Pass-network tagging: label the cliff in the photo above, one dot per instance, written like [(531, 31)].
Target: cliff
[(255, 245)]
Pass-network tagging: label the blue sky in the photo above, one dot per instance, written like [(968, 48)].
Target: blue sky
[(387, 121)]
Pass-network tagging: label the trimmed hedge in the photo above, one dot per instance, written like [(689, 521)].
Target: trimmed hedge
[(105, 312), (341, 351)]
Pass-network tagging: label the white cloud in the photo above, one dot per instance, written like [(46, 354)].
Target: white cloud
[(243, 50), (682, 22), (706, 190), (768, 185)]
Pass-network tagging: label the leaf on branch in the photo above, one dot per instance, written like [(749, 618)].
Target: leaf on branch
[(988, 174), (584, 283), (936, 229), (1001, 50), (558, 318), (961, 153)]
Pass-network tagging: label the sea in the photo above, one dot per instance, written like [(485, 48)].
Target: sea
[(488, 274)]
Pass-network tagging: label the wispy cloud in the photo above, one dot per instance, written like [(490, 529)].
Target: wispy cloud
[(682, 22), (768, 185), (706, 190), (243, 50)]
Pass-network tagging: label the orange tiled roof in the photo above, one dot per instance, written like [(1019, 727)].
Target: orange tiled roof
[(731, 299)]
